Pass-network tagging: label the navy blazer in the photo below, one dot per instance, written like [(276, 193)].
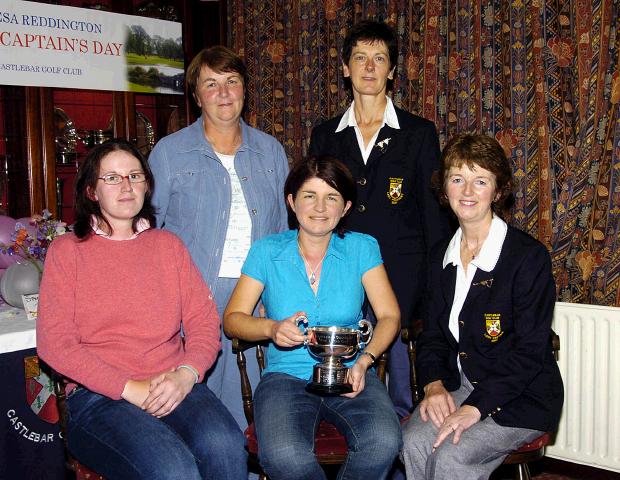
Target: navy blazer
[(395, 202), (504, 336)]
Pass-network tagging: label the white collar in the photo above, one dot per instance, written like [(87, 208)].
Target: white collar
[(389, 116), (489, 253), (142, 225)]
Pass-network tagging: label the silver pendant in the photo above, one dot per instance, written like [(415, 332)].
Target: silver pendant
[(312, 278)]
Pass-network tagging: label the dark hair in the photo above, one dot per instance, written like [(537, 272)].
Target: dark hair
[(484, 151), (371, 31), (331, 171), (219, 59), (86, 181)]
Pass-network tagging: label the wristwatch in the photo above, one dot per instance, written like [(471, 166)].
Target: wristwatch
[(372, 357)]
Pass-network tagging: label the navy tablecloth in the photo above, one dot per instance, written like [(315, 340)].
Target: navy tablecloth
[(30, 447)]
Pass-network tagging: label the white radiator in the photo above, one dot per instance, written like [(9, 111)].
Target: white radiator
[(589, 360)]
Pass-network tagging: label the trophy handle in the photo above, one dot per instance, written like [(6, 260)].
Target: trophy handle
[(366, 331), (302, 324)]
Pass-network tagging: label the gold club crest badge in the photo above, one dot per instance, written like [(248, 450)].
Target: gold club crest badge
[(395, 192), (493, 326)]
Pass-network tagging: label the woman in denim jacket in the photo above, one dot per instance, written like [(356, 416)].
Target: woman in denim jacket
[(218, 186)]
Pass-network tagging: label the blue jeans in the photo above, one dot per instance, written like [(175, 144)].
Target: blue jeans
[(198, 440), (287, 418)]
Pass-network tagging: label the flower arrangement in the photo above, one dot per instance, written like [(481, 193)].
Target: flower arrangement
[(32, 245)]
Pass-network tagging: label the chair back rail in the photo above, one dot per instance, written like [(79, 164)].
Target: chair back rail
[(61, 404), (409, 336), (239, 347), (81, 472)]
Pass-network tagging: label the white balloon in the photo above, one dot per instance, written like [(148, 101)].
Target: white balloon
[(19, 279)]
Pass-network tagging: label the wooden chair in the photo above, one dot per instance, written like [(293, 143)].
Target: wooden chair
[(409, 336), (81, 472), (529, 452), (330, 447), (520, 458), (534, 450)]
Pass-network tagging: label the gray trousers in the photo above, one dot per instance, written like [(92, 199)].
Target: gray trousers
[(480, 451)]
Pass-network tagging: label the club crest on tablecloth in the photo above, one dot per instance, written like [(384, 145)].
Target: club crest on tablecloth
[(40, 391)]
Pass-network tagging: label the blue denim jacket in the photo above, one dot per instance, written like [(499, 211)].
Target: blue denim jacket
[(193, 195)]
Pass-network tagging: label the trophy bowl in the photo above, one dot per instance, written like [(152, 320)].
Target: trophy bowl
[(332, 345)]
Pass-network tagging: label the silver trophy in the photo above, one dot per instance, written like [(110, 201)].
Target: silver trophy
[(332, 345)]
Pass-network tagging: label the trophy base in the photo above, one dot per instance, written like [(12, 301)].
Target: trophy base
[(329, 378), (328, 390)]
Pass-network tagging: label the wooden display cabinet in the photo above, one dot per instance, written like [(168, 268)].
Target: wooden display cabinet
[(86, 118), (27, 142), (36, 172)]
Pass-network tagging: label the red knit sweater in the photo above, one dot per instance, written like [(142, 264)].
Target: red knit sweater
[(111, 311)]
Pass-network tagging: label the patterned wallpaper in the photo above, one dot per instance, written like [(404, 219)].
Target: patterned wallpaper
[(542, 76)]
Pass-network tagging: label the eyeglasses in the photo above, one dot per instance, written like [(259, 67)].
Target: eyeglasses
[(116, 179)]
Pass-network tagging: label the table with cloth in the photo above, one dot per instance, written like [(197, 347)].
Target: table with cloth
[(30, 443)]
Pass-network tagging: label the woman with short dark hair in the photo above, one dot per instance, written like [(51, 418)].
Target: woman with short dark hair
[(218, 59), (322, 272), (113, 298), (335, 174), (484, 358), (392, 155)]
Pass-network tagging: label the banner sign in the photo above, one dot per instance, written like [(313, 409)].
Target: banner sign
[(54, 46)]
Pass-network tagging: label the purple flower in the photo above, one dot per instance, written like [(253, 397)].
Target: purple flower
[(33, 247)]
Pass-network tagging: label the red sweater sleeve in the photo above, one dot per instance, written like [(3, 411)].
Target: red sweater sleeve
[(58, 340)]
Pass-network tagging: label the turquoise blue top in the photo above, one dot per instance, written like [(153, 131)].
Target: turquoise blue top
[(276, 263)]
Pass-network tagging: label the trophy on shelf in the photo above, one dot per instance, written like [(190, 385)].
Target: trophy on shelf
[(332, 345), (66, 137)]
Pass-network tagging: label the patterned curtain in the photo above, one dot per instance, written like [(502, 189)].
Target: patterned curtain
[(542, 76)]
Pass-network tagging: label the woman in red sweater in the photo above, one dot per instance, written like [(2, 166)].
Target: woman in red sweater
[(113, 298)]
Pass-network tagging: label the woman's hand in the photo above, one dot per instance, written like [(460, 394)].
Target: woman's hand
[(356, 376), (167, 391), (286, 333), (438, 403), (458, 422), (136, 391)]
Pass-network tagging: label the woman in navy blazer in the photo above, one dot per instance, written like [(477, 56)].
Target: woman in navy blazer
[(490, 380)]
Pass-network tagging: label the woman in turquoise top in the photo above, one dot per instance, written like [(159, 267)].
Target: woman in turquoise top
[(324, 272)]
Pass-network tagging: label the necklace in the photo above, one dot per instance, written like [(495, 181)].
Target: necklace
[(312, 276), (473, 253)]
